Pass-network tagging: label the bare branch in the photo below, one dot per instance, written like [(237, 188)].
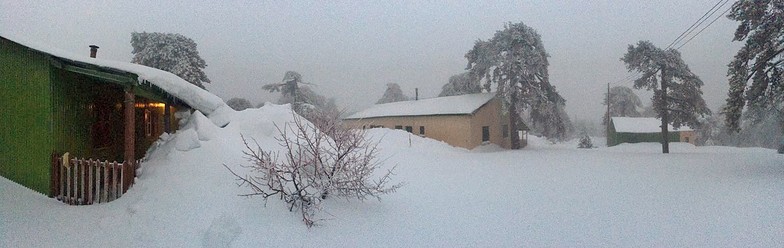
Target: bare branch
[(317, 163)]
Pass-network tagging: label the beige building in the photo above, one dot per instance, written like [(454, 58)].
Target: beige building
[(464, 121)]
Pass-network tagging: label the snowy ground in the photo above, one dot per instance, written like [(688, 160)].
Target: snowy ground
[(544, 195)]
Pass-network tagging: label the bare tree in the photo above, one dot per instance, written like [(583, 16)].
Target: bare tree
[(315, 164)]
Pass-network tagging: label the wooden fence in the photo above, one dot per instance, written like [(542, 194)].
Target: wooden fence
[(79, 181)]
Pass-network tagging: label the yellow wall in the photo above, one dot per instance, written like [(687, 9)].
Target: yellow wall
[(688, 136), (457, 130)]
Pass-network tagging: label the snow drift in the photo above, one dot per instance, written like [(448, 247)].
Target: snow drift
[(544, 195)]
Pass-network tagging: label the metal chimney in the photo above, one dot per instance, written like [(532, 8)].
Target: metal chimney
[(416, 94), (93, 51)]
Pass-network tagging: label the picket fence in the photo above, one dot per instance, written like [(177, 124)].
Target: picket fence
[(80, 181)]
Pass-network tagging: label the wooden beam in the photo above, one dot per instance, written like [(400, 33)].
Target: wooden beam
[(167, 118), (129, 135)]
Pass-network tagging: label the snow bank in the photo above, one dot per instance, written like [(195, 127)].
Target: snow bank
[(194, 96), (544, 195), (186, 140)]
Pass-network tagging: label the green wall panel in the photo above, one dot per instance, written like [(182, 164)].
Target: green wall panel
[(25, 120)]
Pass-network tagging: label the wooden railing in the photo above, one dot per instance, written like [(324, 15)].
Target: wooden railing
[(79, 181)]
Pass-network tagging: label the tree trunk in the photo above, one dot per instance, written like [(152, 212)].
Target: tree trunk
[(664, 115), (513, 120)]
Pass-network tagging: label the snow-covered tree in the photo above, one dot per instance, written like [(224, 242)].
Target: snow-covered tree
[(515, 62), (585, 142), (239, 104), (550, 120), (766, 132), (623, 103), (392, 94), (303, 100), (648, 111), (174, 53), (587, 126), (756, 72), (460, 84), (677, 97)]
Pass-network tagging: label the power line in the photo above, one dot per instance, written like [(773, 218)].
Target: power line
[(703, 29), (707, 15), (695, 25)]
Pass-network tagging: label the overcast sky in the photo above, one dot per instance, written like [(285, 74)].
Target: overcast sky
[(350, 50)]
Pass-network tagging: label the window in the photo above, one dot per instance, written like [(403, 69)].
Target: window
[(686, 139), (422, 130), (409, 129), (398, 127), (485, 133), (505, 130)]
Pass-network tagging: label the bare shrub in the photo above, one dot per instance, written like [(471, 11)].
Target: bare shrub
[(315, 163)]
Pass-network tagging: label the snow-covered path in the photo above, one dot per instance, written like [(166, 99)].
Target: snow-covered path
[(544, 195)]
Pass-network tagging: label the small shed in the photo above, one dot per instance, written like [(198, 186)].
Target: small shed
[(642, 129), (54, 102), (464, 121)]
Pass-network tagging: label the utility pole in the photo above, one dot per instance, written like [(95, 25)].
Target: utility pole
[(664, 114), (607, 124)]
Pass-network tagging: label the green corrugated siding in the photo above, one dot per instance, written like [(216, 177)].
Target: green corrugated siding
[(70, 110), (25, 120), (615, 138)]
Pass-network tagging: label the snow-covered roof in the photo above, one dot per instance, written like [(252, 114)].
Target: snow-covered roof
[(450, 105), (642, 125), (192, 95)]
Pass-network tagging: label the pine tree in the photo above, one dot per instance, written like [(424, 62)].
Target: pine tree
[(392, 94), (174, 53), (759, 61), (623, 103), (515, 62), (304, 101), (677, 97), (585, 142), (460, 84)]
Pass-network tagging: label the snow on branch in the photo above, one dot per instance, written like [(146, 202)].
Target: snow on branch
[(317, 161)]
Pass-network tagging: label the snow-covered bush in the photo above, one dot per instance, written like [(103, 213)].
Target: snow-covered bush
[(585, 142), (316, 163)]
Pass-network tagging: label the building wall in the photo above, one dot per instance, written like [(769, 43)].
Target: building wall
[(457, 130), (490, 115), (688, 137), (77, 99), (25, 120), (615, 138), (452, 129)]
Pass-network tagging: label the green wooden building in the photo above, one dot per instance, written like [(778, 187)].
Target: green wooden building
[(640, 129), (51, 104)]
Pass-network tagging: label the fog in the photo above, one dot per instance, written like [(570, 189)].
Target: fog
[(350, 50)]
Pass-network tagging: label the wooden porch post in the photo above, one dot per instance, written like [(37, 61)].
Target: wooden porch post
[(130, 137), (167, 118)]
